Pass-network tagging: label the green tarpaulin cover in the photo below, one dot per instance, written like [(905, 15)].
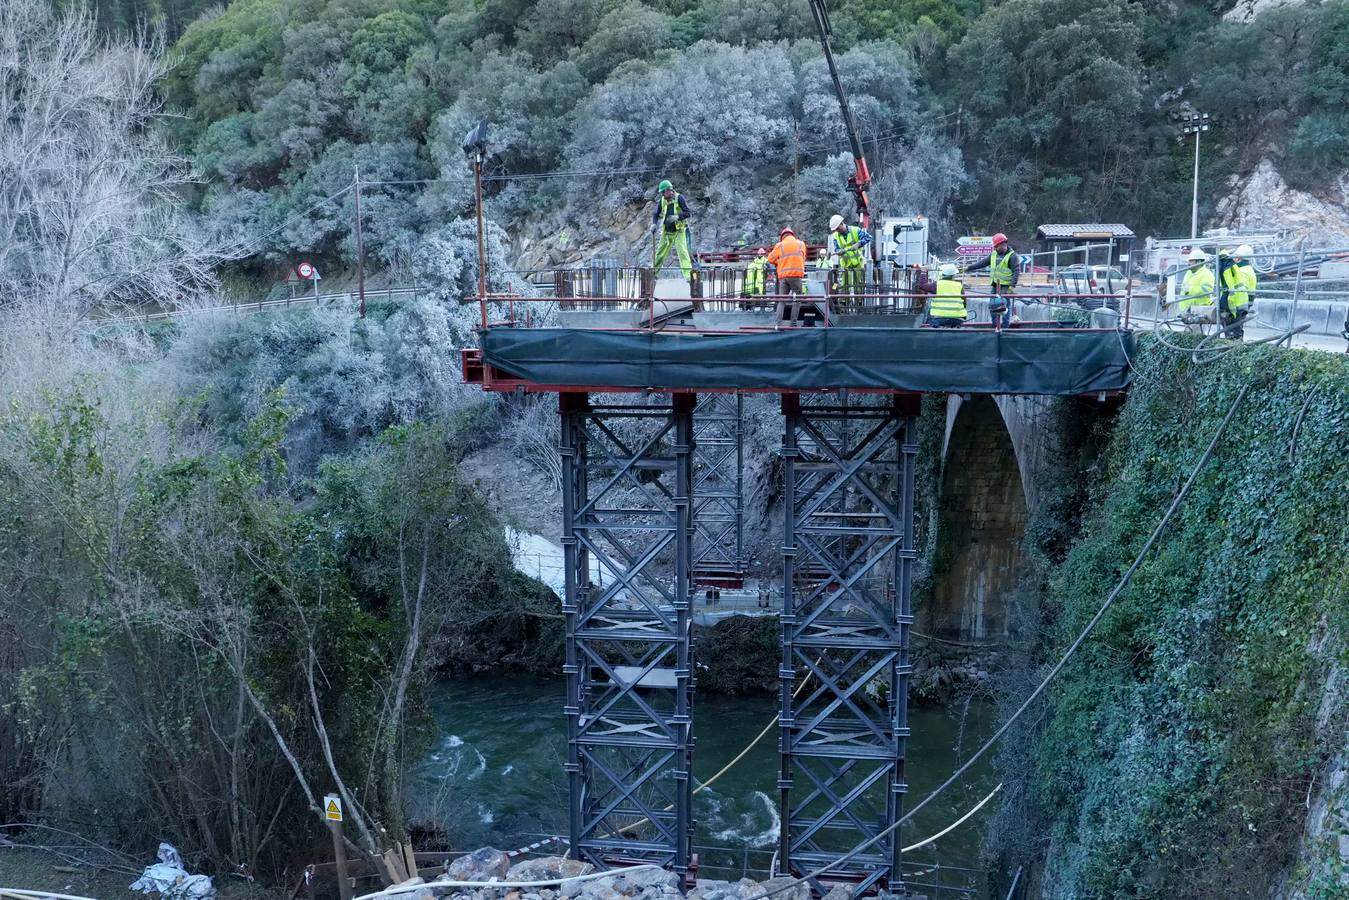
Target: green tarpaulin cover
[(974, 361)]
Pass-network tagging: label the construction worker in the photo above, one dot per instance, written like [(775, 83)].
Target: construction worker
[(947, 306), (1002, 275), (824, 263), (754, 273), (845, 247), (1196, 289), (670, 218), (788, 258), (1239, 283)]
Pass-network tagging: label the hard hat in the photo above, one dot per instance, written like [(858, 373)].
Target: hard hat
[(665, 185), (834, 222), (1197, 255), (823, 254), (948, 270), (999, 238), (1244, 250), (761, 251), (786, 231)]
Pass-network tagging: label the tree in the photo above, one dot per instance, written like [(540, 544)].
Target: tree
[(90, 212)]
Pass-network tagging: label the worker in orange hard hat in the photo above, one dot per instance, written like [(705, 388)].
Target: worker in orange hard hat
[(788, 258), (1002, 275)]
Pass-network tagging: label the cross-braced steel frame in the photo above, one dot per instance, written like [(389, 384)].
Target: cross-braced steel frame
[(718, 490), (627, 536), (848, 550)]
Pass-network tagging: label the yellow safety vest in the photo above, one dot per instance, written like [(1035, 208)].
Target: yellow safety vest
[(1000, 270), (949, 302), (1197, 288), (849, 247), (665, 211), (754, 275), (1240, 283)]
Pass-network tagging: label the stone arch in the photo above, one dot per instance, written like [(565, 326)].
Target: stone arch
[(981, 520)]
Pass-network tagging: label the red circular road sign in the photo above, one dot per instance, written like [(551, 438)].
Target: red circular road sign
[(305, 270)]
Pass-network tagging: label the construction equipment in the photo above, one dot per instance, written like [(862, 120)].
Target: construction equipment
[(860, 179)]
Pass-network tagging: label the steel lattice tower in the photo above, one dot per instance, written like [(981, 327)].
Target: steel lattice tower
[(848, 550), (718, 489), (627, 537)]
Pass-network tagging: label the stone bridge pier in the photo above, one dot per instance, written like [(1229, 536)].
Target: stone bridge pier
[(994, 453)]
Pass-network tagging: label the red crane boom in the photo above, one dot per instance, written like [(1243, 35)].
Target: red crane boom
[(860, 179)]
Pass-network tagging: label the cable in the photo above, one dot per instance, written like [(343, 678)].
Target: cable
[(229, 252), (1058, 667), (40, 895), (954, 825)]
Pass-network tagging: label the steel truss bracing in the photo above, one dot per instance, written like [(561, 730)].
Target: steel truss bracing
[(718, 482), (848, 551), (627, 536)]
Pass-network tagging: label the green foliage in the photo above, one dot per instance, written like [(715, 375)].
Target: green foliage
[(185, 608), (1178, 746)]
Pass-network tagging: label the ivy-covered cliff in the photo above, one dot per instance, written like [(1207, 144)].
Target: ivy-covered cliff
[(1187, 748)]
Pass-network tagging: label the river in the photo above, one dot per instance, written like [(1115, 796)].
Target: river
[(494, 774)]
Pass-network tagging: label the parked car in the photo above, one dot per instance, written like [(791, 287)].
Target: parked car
[(1086, 280)]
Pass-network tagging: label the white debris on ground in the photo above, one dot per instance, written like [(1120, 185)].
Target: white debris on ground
[(170, 878)]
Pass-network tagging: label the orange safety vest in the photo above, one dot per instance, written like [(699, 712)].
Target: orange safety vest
[(789, 257)]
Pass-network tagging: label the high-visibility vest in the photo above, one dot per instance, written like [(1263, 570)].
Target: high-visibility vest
[(1197, 288), (1000, 270), (1240, 283), (754, 275), (949, 302), (849, 247), (789, 257), (665, 205)]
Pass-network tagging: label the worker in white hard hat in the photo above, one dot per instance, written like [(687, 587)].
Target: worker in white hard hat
[(947, 307), (1239, 283), (1196, 289), (845, 248)]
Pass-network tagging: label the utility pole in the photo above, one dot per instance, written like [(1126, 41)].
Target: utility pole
[(1194, 124), (475, 147), (360, 246)]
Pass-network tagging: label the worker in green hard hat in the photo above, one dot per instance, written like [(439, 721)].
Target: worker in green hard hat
[(671, 220)]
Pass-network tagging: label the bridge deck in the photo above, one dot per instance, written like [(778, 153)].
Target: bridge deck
[(968, 360)]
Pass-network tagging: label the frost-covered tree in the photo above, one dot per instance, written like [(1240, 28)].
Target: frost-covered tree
[(90, 211)]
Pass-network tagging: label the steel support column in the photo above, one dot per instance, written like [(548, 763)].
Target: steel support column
[(627, 537), (847, 557), (718, 490)]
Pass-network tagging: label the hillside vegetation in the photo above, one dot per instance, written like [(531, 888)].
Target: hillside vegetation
[(983, 116)]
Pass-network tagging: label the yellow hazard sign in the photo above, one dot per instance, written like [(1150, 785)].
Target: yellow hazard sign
[(332, 808)]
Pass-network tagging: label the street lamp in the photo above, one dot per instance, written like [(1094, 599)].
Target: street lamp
[(1195, 123)]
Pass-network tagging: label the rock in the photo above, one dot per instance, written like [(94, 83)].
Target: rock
[(1344, 847), (548, 868), (1263, 200), (652, 877), (839, 892), (513, 895), (795, 892), (547, 894), (480, 865)]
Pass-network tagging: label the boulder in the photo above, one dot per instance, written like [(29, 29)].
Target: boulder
[(795, 892), (548, 868), (840, 892), (480, 865)]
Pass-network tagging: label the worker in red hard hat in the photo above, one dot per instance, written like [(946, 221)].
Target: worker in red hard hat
[(1002, 276), (788, 258)]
